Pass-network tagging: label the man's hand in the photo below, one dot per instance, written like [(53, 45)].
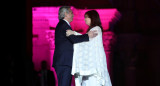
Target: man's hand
[(69, 32), (92, 34)]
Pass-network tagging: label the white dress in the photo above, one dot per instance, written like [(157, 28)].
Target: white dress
[(89, 58)]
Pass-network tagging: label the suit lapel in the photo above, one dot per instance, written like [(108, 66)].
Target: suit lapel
[(68, 26)]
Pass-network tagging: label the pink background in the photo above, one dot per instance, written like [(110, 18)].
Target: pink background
[(43, 38)]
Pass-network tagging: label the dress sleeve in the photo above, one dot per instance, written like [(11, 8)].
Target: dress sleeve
[(97, 41), (76, 33)]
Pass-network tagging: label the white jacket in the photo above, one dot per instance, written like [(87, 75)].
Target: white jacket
[(90, 58)]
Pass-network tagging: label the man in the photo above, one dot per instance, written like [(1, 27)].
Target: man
[(63, 54), (47, 77)]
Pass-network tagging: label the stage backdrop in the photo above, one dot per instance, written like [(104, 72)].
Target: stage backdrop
[(44, 21)]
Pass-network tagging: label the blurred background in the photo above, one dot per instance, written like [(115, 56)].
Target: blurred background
[(131, 39)]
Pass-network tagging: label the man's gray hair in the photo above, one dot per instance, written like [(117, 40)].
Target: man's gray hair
[(62, 10)]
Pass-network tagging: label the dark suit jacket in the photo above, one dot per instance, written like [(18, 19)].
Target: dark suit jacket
[(63, 53)]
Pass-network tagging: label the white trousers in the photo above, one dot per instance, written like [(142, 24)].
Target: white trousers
[(86, 81)]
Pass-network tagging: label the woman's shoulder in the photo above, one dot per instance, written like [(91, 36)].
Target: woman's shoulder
[(96, 28)]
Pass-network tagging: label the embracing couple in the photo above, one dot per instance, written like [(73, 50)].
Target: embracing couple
[(80, 55)]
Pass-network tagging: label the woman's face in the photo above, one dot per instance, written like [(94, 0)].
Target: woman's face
[(87, 20)]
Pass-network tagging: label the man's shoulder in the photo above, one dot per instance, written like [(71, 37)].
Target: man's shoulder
[(61, 23)]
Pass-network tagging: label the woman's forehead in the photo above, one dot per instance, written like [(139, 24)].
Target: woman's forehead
[(86, 15)]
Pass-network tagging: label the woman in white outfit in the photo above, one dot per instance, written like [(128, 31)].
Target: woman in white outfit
[(89, 65)]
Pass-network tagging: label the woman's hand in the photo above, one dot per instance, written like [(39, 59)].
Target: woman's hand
[(69, 32)]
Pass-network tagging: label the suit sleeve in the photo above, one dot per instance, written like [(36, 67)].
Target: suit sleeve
[(78, 38), (75, 38)]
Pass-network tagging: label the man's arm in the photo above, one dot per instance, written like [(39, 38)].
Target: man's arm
[(77, 38), (80, 38)]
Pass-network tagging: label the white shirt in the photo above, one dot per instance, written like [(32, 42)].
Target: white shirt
[(90, 58)]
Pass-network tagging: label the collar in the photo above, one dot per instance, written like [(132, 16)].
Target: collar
[(67, 22)]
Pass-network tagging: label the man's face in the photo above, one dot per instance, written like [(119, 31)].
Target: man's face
[(69, 15)]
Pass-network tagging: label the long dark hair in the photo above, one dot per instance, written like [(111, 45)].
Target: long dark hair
[(95, 19)]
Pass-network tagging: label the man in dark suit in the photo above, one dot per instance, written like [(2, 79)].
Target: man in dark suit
[(46, 77), (63, 54)]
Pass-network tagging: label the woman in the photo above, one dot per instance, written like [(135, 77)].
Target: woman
[(89, 65)]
